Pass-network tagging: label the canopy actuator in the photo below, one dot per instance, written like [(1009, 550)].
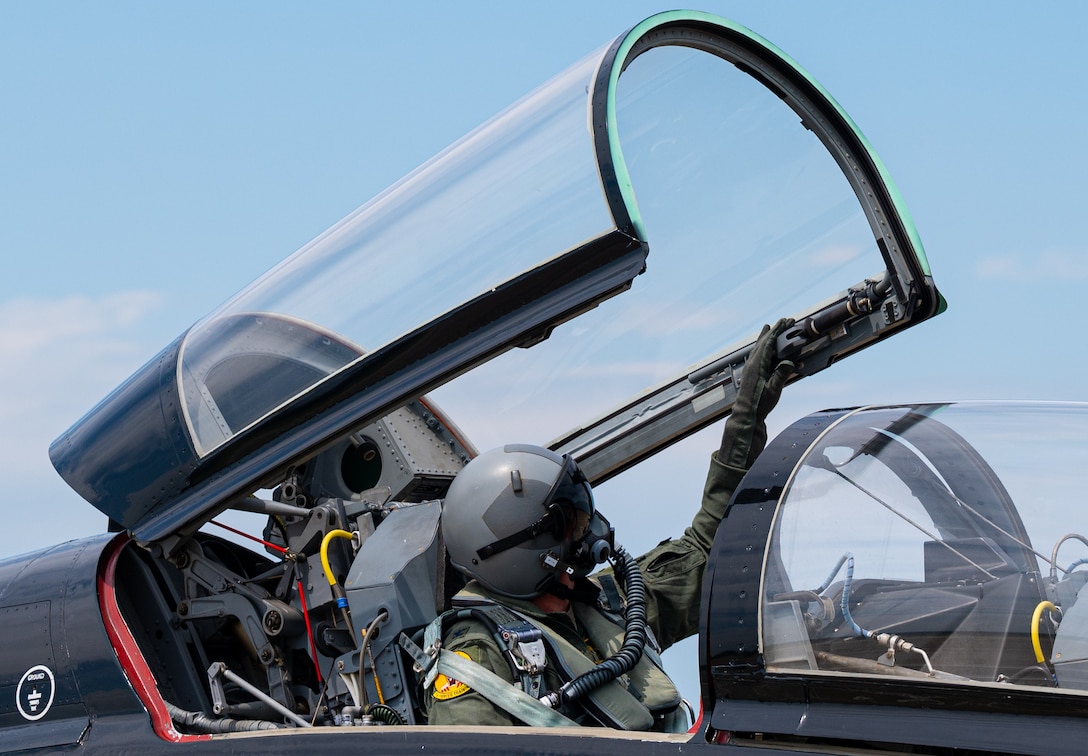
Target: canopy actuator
[(863, 300)]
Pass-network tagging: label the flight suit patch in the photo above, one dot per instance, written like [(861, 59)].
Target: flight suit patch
[(446, 688)]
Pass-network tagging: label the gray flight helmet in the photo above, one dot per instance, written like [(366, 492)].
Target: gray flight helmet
[(500, 525)]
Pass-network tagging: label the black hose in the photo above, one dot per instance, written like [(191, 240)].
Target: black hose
[(200, 722), (634, 636)]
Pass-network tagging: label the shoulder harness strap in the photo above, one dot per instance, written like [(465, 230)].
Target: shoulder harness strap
[(521, 643), (498, 691)]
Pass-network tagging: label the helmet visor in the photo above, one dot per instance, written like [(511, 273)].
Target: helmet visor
[(572, 498)]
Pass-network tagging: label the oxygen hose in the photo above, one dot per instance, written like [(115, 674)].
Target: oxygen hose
[(634, 638)]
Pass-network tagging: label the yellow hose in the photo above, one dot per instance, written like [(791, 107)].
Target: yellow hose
[(1036, 616), (325, 552), (337, 589)]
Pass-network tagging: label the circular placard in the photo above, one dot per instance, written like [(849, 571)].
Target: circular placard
[(34, 695)]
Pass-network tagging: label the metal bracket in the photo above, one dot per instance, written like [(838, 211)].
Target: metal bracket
[(218, 670), (421, 660)]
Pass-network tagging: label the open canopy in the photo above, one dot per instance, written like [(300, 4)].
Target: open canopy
[(689, 165)]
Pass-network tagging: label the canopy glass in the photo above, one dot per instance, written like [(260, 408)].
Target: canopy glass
[(588, 269), (934, 542)]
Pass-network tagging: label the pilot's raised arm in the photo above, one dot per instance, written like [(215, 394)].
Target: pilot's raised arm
[(531, 626)]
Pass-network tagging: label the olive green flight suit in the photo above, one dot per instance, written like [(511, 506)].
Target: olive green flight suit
[(673, 572)]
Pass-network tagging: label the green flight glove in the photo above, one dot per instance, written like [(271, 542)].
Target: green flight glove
[(761, 384)]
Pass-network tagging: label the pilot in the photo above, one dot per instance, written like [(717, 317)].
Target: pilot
[(532, 639)]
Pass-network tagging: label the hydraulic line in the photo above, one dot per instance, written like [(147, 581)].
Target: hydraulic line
[(1054, 554), (893, 642), (844, 601), (1036, 617), (309, 630), (634, 638), (371, 629), (830, 577), (1076, 564), (337, 590)]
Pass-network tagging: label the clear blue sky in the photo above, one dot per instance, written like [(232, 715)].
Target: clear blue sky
[(155, 157)]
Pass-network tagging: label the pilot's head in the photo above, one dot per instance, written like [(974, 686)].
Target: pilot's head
[(518, 517)]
